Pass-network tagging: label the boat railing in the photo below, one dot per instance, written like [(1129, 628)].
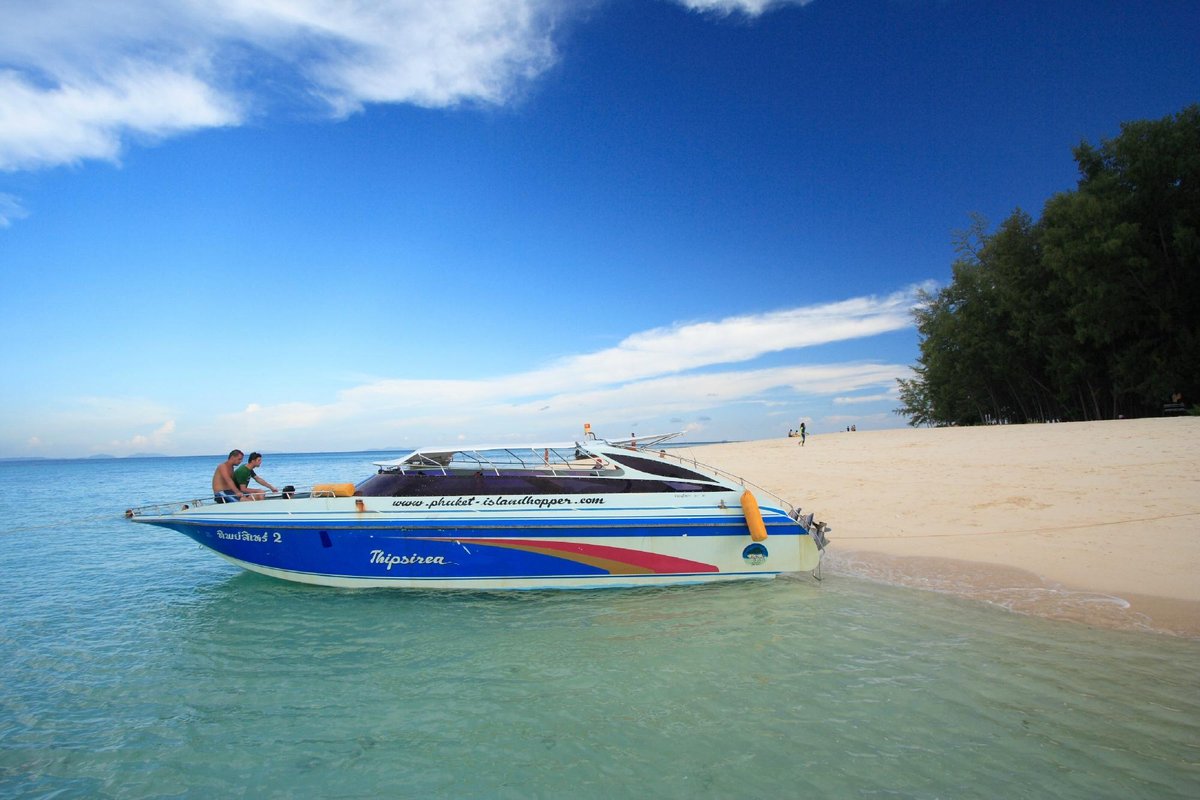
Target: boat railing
[(694, 463), (164, 509)]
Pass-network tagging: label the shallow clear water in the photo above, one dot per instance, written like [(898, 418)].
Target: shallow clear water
[(133, 664)]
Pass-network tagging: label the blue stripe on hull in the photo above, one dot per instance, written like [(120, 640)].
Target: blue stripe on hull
[(390, 553)]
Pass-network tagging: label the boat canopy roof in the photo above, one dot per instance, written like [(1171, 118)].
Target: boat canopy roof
[(531, 452), (422, 454)]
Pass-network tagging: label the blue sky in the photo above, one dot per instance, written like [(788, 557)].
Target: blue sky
[(316, 225)]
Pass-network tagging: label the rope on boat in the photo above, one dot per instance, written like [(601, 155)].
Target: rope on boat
[(61, 524)]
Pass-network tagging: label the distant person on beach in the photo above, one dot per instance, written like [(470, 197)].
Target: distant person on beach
[(243, 474), (225, 489), (803, 434), (1175, 408)]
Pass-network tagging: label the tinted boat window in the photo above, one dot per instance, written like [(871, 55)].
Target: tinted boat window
[(666, 469), (395, 484)]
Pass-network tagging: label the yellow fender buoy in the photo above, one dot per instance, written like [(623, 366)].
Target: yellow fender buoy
[(754, 520)]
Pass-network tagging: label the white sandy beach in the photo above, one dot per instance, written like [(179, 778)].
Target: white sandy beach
[(1095, 521)]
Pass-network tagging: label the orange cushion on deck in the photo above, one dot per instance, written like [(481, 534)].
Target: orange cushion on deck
[(338, 489)]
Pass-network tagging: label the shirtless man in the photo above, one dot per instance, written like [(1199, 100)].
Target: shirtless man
[(225, 490)]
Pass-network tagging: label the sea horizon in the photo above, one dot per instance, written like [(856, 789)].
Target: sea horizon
[(369, 451)]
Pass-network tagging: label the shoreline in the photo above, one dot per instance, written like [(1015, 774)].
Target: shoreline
[(1094, 522), (1021, 592)]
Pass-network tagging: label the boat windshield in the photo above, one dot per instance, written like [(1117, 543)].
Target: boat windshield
[(551, 458), (435, 482), (653, 466)]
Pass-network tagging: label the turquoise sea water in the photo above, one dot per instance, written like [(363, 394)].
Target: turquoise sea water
[(133, 664)]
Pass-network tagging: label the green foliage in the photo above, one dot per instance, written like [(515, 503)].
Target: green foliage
[(1091, 312)]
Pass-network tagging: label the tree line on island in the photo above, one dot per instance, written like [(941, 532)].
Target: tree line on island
[(1091, 312)]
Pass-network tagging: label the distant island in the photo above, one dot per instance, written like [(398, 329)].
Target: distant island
[(96, 457), (131, 455)]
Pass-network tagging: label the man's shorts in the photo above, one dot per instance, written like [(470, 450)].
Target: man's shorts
[(226, 496)]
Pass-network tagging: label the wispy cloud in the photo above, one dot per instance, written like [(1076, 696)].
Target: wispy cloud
[(79, 80), (10, 209), (88, 424), (748, 7), (157, 441), (657, 374), (87, 117), (685, 376), (889, 396)]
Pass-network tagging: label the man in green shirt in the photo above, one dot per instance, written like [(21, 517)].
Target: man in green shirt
[(243, 474)]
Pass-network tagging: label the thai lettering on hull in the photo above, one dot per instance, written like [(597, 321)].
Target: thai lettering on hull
[(245, 536)]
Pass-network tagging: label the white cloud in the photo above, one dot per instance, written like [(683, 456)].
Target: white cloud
[(728, 341), (159, 439), (712, 373), (85, 425), (868, 398), (678, 370), (751, 8), (80, 79), (647, 370), (77, 120), (10, 209), (413, 417)]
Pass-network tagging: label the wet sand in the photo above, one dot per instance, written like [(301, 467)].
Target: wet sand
[(1097, 522)]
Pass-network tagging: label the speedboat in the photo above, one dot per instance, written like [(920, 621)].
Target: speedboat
[(586, 514)]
